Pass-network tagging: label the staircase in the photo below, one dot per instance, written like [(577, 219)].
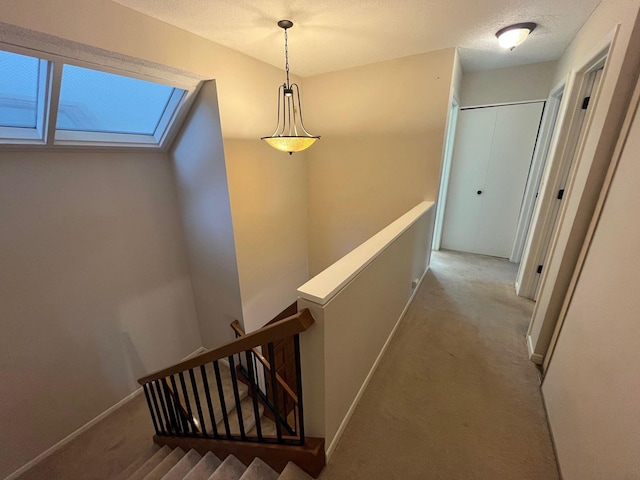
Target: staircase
[(162, 463), (232, 404)]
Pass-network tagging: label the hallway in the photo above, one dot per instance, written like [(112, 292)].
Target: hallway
[(455, 396)]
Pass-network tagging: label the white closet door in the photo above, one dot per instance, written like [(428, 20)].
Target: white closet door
[(492, 155), (468, 167), (514, 139)]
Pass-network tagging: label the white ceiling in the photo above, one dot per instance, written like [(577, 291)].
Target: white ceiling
[(331, 35)]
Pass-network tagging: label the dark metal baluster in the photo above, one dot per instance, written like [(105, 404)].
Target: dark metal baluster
[(296, 345), (155, 403), (170, 405), (254, 394), (236, 396), (184, 426), (187, 403), (197, 398), (207, 394), (223, 404), (274, 389), (153, 417), (162, 404)]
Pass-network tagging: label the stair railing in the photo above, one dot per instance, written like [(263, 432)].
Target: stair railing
[(196, 397), (277, 395)]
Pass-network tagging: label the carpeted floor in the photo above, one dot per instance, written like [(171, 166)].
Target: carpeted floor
[(104, 450), (455, 396)]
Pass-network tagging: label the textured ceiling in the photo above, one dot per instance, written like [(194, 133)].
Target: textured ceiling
[(331, 35)]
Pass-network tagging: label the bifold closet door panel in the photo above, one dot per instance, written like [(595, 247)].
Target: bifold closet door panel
[(514, 139), (471, 153)]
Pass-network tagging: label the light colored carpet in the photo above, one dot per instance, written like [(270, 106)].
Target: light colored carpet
[(455, 396), (103, 451)]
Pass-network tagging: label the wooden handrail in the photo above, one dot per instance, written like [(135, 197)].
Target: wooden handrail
[(235, 325), (287, 327)]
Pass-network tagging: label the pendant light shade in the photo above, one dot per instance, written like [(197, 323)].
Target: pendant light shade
[(290, 135), (513, 35)]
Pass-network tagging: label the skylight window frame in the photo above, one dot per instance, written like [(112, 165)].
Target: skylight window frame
[(46, 136), (32, 135)]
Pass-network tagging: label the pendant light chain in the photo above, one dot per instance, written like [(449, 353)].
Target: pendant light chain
[(286, 56)]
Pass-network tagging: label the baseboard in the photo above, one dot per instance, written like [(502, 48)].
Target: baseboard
[(195, 353), (345, 421), (73, 435), (534, 357)]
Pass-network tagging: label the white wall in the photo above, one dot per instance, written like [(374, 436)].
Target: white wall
[(201, 178), (507, 85), (94, 289), (352, 328), (592, 384)]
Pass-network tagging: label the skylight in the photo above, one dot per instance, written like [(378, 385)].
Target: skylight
[(83, 106), (100, 102), (18, 90), (22, 93)]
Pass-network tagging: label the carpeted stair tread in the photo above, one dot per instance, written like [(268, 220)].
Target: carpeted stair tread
[(165, 465), (258, 470), (230, 469), (227, 388), (141, 460), (205, 468), (150, 464), (248, 417), (268, 428), (184, 466), (294, 472)]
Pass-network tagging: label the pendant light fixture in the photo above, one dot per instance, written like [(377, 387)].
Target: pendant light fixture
[(290, 134), (513, 35)]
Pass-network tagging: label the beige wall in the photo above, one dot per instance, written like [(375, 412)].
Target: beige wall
[(382, 128), (201, 178), (268, 192), (507, 85), (592, 385), (95, 289), (245, 89), (246, 96)]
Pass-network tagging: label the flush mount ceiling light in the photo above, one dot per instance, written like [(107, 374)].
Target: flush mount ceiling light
[(290, 134), (513, 35)]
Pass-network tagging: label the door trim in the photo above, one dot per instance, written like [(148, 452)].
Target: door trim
[(573, 216), (446, 170)]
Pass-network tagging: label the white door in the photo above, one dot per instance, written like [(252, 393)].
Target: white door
[(491, 159)]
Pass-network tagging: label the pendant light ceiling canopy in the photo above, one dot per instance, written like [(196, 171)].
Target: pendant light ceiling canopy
[(290, 134), (513, 35)]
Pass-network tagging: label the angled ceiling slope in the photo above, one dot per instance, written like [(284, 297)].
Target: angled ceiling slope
[(333, 35)]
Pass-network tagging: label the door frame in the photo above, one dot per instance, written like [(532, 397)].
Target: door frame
[(545, 135), (634, 105), (556, 273), (446, 171), (553, 118)]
